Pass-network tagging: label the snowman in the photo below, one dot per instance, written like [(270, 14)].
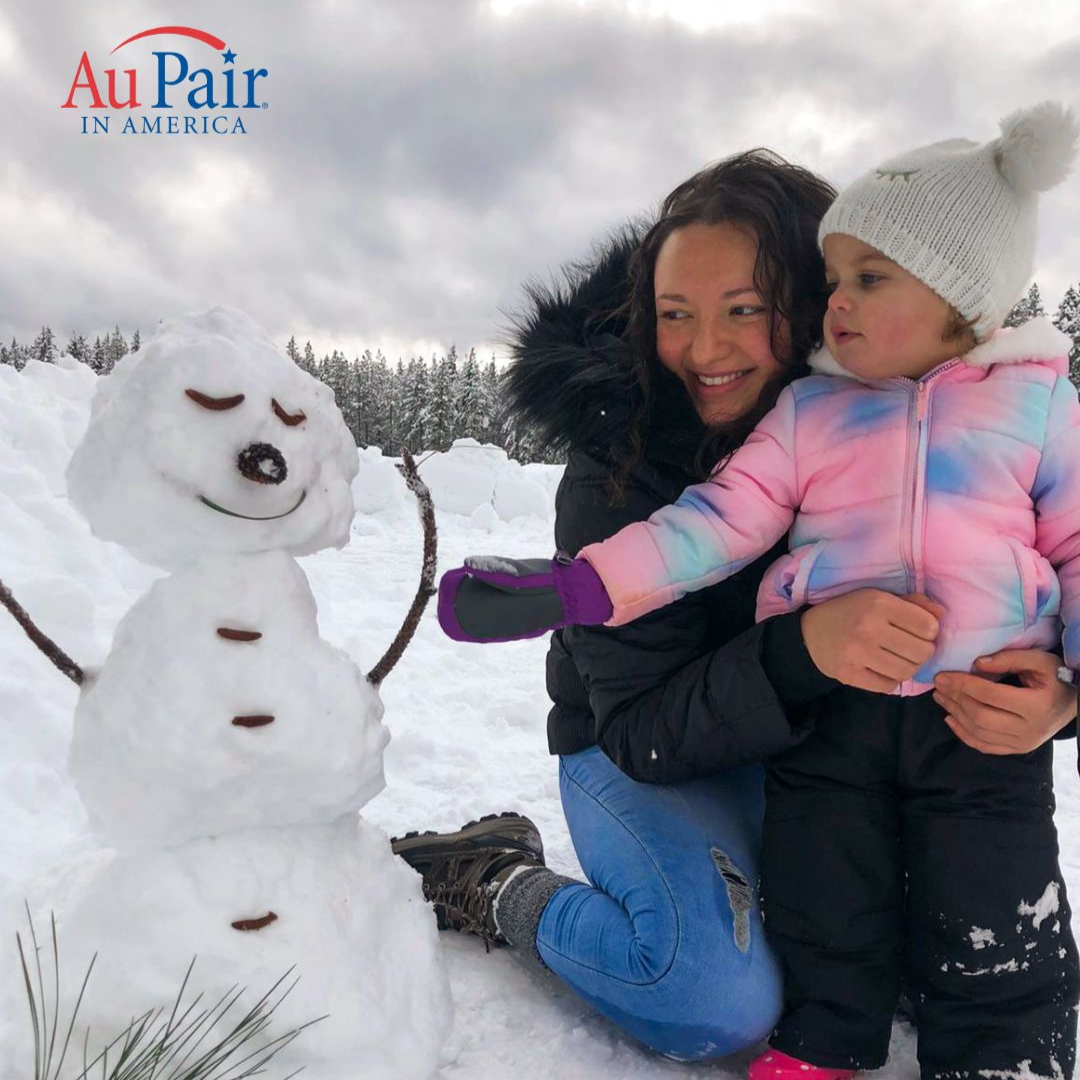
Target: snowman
[(223, 749)]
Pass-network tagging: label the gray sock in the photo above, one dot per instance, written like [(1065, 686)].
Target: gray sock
[(521, 902)]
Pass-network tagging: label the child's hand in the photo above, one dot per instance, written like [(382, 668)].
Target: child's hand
[(495, 599), (872, 639), (995, 718)]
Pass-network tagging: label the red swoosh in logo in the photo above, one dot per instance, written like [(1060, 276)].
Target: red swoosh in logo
[(184, 31)]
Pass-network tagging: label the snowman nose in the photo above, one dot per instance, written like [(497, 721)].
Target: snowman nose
[(263, 463)]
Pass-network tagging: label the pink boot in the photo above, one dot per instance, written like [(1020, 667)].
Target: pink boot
[(776, 1065)]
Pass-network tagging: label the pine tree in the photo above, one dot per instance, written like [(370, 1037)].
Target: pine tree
[(1067, 320), (414, 397), (292, 351), (340, 376), (381, 406), (77, 348), (19, 354), (366, 408), (136, 342), (7, 356), (489, 404), (1027, 307), (469, 405), (440, 420), (116, 348), (396, 421), (44, 347), (308, 363), (98, 361)]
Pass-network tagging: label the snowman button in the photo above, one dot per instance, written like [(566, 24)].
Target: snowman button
[(255, 924), (252, 721), (238, 635)]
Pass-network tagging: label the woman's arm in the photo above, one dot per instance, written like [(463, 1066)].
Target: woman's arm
[(665, 711)]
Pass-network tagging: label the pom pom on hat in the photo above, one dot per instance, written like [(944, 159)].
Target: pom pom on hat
[(1037, 146)]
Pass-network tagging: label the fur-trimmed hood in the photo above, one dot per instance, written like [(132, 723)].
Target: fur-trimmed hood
[(573, 373)]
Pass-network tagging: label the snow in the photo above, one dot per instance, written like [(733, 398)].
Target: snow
[(467, 722), (1047, 904)]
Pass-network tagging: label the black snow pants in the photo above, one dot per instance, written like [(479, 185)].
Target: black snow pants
[(894, 853)]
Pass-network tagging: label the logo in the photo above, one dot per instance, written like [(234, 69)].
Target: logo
[(177, 94)]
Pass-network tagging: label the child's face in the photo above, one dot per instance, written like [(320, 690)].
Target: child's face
[(881, 322)]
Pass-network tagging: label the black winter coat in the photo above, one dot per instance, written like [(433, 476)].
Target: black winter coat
[(693, 688)]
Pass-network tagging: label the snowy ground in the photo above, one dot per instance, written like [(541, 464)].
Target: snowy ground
[(467, 722)]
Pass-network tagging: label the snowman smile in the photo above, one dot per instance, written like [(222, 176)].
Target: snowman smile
[(252, 517)]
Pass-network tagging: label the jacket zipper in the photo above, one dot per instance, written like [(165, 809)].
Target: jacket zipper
[(915, 480)]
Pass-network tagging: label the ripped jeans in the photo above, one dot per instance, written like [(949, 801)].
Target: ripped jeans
[(666, 940), (893, 852)]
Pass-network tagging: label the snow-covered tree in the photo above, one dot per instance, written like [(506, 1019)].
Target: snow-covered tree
[(1027, 307), (44, 347), (395, 401), (469, 405), (98, 361), (20, 353), (78, 348), (414, 398), (309, 364), (292, 351), (1067, 320), (338, 374), (367, 407), (489, 403), (441, 420), (116, 348), (136, 342), (381, 393)]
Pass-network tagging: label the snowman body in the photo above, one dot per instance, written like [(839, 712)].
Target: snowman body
[(221, 709), (339, 916), (223, 749)]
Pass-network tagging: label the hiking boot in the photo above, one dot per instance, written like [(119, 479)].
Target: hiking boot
[(463, 871)]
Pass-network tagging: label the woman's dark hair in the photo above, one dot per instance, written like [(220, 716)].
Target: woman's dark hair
[(781, 205)]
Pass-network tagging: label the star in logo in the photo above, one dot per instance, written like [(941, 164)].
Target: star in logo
[(229, 56)]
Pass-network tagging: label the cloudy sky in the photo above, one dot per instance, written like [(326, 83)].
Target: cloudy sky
[(417, 159)]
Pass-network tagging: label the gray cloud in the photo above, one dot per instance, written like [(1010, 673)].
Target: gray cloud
[(419, 158)]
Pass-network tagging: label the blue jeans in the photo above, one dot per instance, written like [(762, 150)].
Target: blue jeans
[(667, 939)]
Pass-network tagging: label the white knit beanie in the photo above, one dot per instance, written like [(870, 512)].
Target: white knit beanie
[(961, 217)]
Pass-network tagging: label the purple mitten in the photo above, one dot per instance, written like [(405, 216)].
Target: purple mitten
[(495, 599)]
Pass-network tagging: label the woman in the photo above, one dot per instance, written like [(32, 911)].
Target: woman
[(659, 724)]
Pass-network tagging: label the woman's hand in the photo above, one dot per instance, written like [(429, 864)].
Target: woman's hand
[(871, 639), (998, 719)]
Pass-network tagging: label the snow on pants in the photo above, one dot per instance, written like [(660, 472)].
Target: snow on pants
[(666, 940), (893, 852)]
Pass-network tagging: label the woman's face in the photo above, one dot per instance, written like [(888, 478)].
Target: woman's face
[(712, 325)]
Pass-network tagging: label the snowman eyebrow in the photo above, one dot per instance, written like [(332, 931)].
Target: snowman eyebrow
[(286, 418), (216, 403)]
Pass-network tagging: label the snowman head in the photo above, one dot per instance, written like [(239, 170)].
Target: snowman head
[(210, 440)]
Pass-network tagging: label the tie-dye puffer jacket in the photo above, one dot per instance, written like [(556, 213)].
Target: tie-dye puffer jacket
[(963, 485)]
